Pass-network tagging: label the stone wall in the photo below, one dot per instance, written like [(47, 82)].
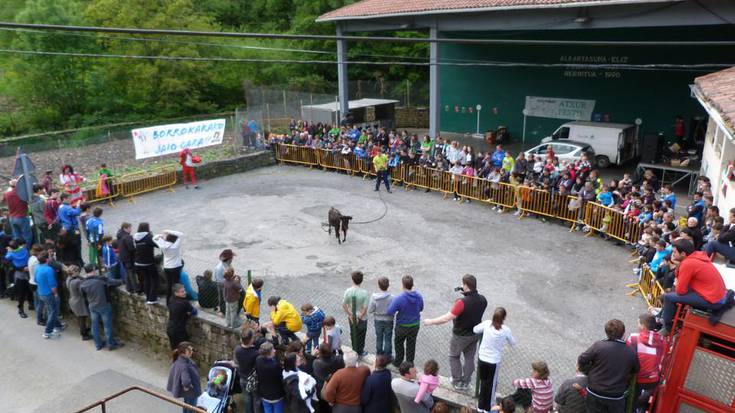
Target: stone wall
[(412, 117), (235, 165), (145, 325)]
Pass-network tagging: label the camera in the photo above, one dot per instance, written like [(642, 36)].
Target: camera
[(457, 289)]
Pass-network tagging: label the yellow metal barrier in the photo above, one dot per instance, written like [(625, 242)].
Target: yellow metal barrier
[(560, 208), (296, 154), (650, 289), (336, 161), (141, 182), (91, 195)]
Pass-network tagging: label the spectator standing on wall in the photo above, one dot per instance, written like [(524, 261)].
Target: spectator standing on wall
[(145, 265), (95, 231), (465, 314), (358, 297), (169, 242), (378, 307), (179, 312), (406, 389), (225, 262), (251, 302), (408, 305), (233, 291), (609, 365), (494, 336), (126, 246)]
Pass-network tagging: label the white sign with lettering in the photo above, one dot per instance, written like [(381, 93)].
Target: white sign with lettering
[(559, 108)]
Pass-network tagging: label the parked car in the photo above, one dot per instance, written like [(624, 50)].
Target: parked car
[(569, 151)]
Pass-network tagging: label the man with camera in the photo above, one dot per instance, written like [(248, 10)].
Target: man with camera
[(465, 314)]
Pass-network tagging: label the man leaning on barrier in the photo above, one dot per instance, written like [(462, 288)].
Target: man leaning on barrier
[(465, 313)]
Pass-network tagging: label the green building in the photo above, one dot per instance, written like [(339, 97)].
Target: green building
[(615, 60)]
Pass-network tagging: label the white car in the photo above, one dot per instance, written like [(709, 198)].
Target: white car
[(568, 151)]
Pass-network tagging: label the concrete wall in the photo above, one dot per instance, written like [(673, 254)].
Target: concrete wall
[(145, 325), (235, 165)]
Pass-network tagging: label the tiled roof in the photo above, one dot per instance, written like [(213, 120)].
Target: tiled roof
[(377, 8), (719, 90)]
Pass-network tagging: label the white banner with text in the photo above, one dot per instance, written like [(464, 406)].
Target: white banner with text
[(168, 139)]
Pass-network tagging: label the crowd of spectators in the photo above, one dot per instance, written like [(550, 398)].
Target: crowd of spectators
[(295, 344)]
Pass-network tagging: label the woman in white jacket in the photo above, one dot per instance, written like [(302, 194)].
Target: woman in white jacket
[(169, 242), (494, 337)]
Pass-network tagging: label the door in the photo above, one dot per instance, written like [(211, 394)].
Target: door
[(564, 151)]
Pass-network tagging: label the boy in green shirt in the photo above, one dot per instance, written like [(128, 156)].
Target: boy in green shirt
[(355, 304)]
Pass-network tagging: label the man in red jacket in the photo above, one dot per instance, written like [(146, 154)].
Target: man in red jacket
[(698, 283)]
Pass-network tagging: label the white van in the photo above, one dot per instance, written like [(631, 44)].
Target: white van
[(613, 143)]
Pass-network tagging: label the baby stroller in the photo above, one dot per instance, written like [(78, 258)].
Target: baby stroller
[(217, 397)]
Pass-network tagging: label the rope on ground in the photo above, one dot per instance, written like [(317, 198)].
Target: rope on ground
[(385, 212)]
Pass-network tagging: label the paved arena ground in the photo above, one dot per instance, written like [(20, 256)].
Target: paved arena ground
[(559, 288)]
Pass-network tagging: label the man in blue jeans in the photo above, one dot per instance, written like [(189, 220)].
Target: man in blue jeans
[(95, 288), (379, 303), (408, 307), (49, 295)]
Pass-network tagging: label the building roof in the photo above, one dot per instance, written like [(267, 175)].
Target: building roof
[(718, 90), (386, 8), (353, 104)]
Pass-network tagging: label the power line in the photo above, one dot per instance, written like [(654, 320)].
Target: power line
[(363, 38), (652, 66)]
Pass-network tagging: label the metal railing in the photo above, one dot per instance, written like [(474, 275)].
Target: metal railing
[(103, 402)]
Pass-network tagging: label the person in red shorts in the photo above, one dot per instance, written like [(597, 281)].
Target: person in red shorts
[(187, 161)]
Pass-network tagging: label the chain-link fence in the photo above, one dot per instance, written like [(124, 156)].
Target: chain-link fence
[(272, 108), (91, 135), (432, 342)]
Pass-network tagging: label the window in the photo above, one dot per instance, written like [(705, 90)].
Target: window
[(562, 149), (564, 133)]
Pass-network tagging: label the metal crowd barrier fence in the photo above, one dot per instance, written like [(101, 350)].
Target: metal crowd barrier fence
[(649, 288), (141, 182), (132, 184)]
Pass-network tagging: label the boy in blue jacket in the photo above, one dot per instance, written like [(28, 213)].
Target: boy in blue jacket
[(313, 319)]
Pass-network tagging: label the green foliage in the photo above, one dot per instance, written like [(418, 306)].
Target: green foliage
[(39, 93)]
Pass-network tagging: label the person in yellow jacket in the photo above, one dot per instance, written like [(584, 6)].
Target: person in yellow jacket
[(251, 303), (284, 319), (380, 163)]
